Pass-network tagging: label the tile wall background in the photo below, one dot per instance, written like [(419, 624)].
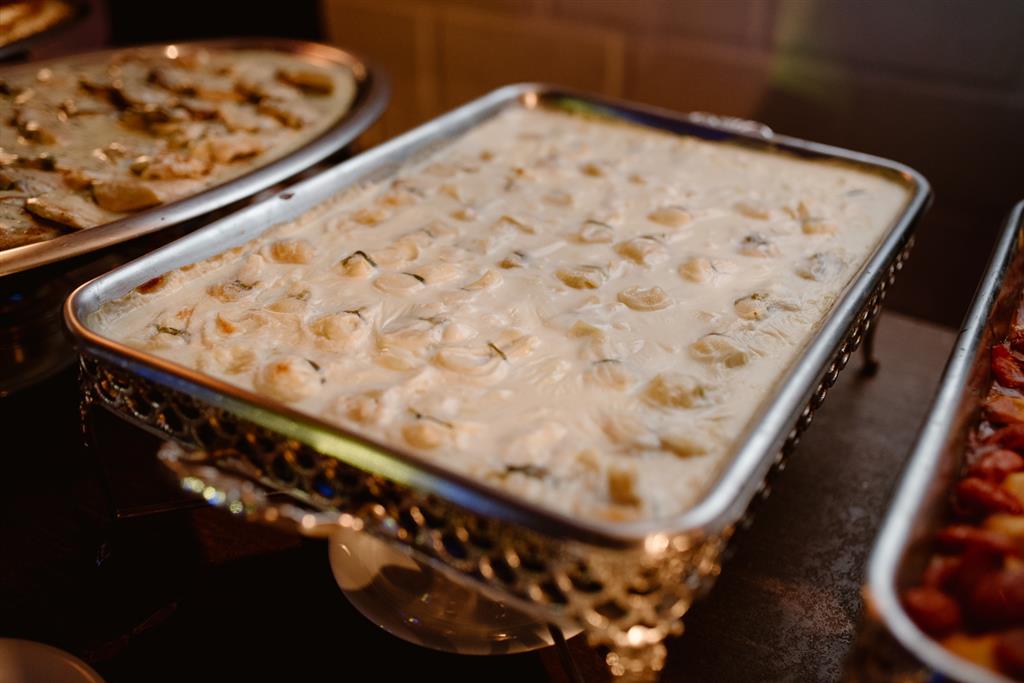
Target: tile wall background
[(937, 84)]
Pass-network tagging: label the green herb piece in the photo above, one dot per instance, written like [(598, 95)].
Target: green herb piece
[(494, 347)]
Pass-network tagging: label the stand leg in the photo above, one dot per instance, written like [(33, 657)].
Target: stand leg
[(564, 655), (870, 367), (86, 407)]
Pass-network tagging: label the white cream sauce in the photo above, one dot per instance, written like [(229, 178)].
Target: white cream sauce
[(582, 312)]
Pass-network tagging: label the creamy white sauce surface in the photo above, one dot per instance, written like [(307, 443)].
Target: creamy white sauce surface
[(582, 312)]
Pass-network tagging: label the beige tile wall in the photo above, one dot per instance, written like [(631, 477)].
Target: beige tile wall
[(938, 84)]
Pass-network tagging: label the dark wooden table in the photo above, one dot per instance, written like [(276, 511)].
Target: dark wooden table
[(90, 564)]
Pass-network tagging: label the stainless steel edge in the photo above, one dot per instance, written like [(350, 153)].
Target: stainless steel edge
[(372, 93), (727, 499), (909, 521)]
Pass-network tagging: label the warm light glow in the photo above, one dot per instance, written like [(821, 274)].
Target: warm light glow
[(681, 543), (171, 52), (657, 543)]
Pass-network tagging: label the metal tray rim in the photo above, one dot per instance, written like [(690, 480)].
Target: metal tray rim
[(725, 502), (924, 460), (372, 93)]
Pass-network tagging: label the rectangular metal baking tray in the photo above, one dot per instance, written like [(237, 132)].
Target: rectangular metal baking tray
[(626, 583), (372, 90), (725, 501), (921, 501)]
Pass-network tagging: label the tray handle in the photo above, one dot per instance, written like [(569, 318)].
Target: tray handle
[(734, 124), (246, 498)]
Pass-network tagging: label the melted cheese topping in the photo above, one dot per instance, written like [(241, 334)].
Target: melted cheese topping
[(582, 312)]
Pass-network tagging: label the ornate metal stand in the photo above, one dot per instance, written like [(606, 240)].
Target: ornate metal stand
[(627, 601)]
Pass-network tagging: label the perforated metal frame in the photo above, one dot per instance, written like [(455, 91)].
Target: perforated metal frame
[(626, 584)]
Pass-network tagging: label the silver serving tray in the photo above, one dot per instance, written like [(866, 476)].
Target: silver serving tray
[(372, 91), (567, 570), (921, 501)]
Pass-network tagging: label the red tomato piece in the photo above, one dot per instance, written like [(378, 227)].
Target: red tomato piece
[(1006, 367), (986, 497), (996, 465), (932, 610)]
